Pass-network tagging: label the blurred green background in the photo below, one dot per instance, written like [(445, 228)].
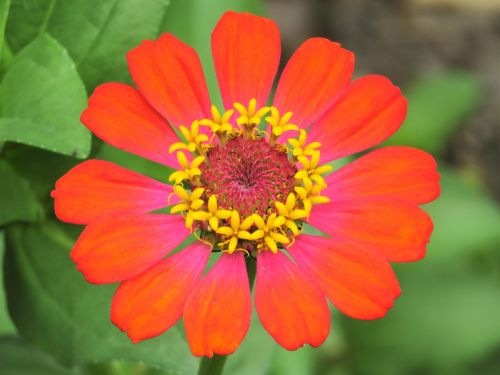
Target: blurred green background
[(444, 54)]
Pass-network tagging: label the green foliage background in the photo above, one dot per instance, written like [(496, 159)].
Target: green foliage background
[(52, 55)]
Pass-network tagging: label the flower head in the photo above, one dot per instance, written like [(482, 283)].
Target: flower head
[(247, 178)]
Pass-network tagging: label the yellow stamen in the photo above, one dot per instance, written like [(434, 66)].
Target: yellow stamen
[(289, 213), (192, 202), (193, 139), (249, 117), (236, 231), (219, 124), (299, 147), (279, 124), (270, 231), (311, 170), (309, 194), (213, 214), (189, 169)]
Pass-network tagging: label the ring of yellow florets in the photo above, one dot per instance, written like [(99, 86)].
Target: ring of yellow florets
[(224, 227)]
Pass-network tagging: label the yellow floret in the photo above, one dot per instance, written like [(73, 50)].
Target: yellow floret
[(289, 211), (189, 169), (249, 117), (299, 147), (193, 139), (219, 124), (279, 124), (270, 231), (191, 203), (237, 230), (213, 213)]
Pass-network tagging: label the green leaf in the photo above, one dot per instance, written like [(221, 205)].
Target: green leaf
[(56, 309), (17, 357), (40, 167), (27, 20), (6, 325), (121, 368), (4, 13), (193, 21), (41, 99), (437, 106), (464, 217), (97, 34), (17, 201)]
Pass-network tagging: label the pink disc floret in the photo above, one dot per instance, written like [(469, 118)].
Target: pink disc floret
[(248, 175)]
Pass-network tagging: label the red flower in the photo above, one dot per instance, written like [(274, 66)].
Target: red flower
[(248, 192)]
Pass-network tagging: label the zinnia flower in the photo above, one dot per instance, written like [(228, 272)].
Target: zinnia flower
[(248, 178)]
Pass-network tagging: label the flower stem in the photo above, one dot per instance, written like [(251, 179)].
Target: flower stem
[(215, 365), (212, 366)]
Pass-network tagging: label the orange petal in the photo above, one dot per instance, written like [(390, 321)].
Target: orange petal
[(118, 247), (394, 172), (311, 80), (365, 113), (291, 308), (169, 75), (95, 188), (217, 312), (149, 304), (119, 115), (397, 229), (246, 51), (358, 281)]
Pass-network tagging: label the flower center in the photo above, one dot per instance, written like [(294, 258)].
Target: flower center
[(244, 192), (247, 175)]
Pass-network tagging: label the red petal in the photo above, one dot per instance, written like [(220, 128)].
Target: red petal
[(365, 113), (169, 75), (291, 308), (217, 312), (95, 188), (152, 302), (359, 282), (397, 229), (246, 51), (121, 117), (312, 78), (118, 247), (395, 172)]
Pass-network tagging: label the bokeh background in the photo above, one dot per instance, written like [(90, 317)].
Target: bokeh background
[(445, 54)]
